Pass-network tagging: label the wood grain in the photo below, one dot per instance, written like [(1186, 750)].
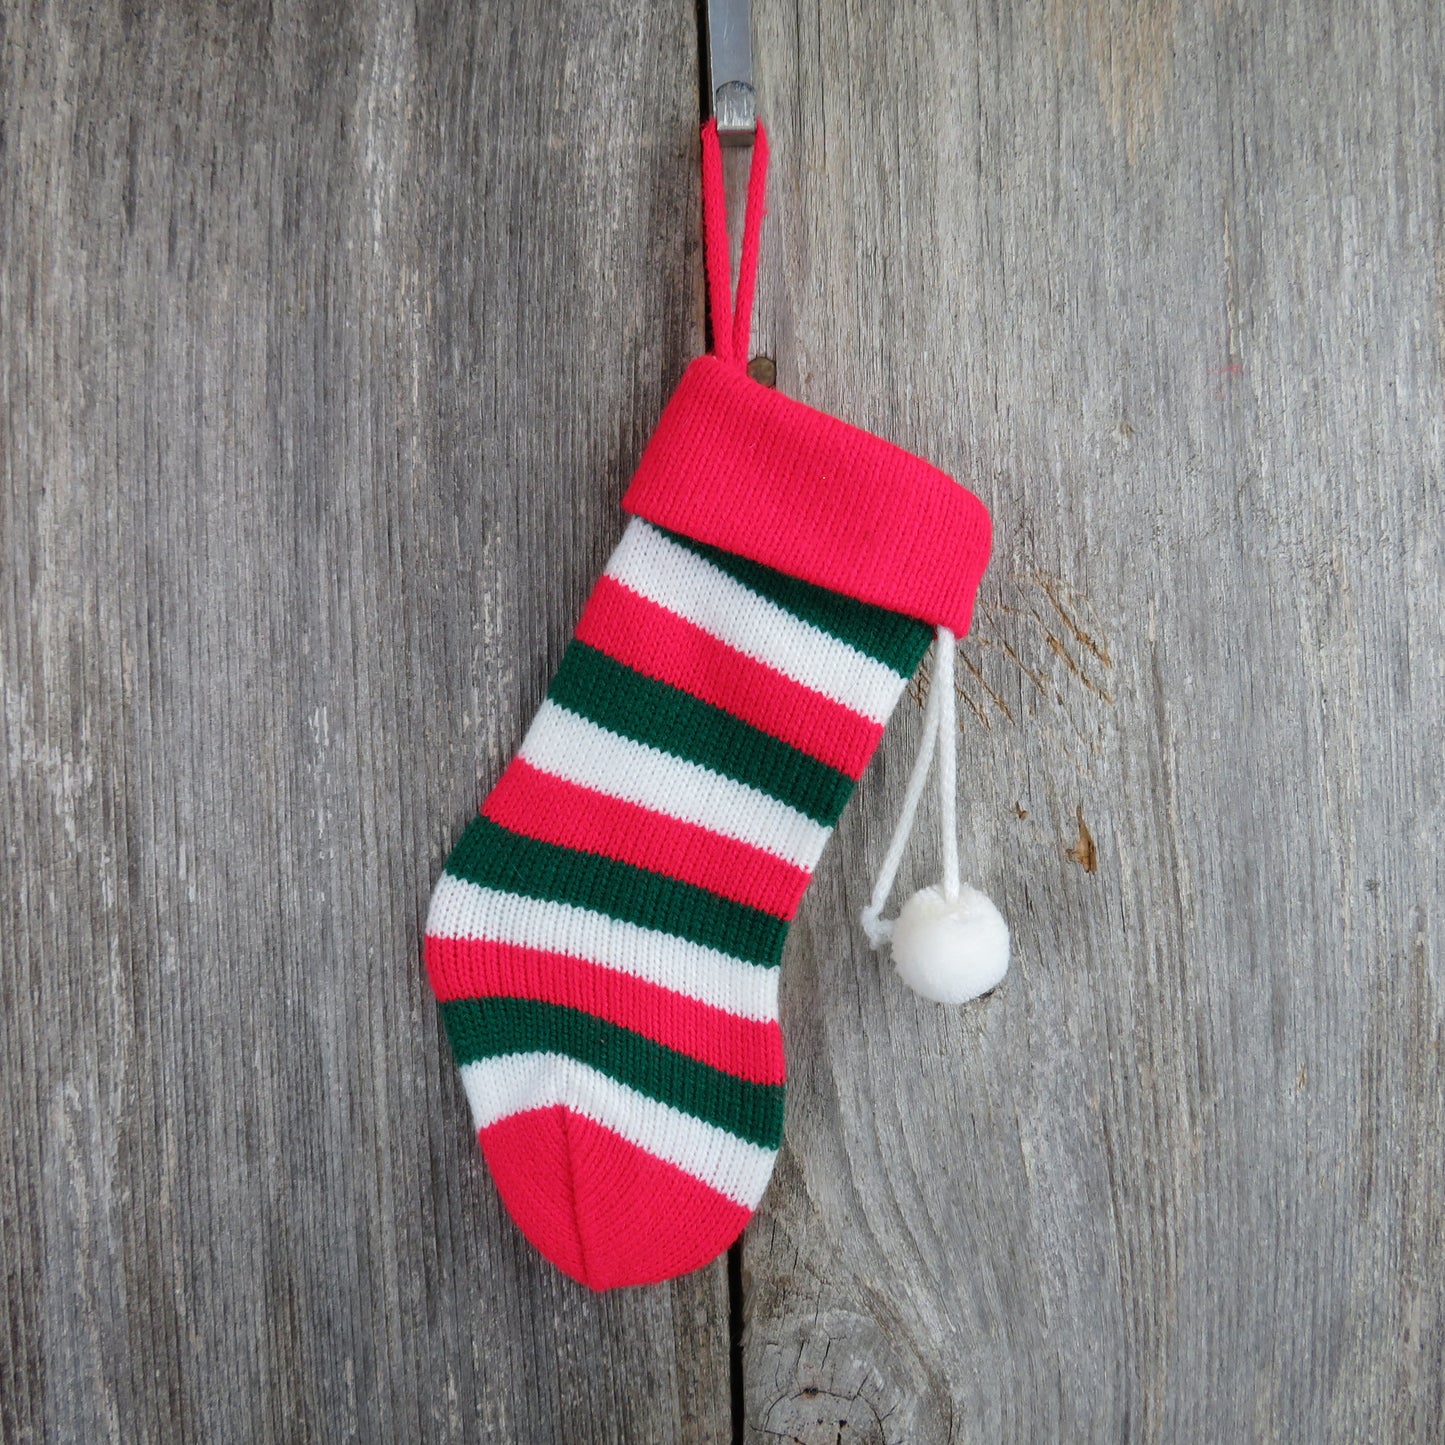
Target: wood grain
[(331, 334), (1164, 284)]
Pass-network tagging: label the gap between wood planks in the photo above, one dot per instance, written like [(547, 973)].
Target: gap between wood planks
[(761, 369)]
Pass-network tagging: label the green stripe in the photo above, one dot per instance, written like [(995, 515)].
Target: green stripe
[(615, 697), (494, 857), (491, 1027), (896, 641)]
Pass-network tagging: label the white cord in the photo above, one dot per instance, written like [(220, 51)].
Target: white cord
[(947, 760), (938, 730)]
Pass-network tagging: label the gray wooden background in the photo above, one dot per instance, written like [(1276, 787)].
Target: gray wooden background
[(329, 335)]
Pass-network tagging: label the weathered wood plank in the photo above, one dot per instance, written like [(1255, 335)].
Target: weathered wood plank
[(1165, 284), (331, 334)]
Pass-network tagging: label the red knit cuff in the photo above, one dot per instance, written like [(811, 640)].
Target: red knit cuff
[(741, 467)]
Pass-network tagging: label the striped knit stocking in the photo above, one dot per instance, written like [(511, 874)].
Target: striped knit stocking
[(606, 937)]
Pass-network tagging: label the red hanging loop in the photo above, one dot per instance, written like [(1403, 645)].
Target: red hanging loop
[(752, 237), (731, 332)]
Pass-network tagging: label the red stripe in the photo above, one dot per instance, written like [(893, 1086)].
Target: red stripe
[(659, 644), (552, 810), (750, 1049)]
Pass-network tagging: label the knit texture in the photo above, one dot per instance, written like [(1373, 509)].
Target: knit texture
[(764, 476), (605, 939)]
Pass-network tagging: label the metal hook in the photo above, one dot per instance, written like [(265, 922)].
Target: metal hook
[(730, 70)]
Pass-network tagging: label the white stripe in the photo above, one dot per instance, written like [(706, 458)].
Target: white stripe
[(514, 1083), (571, 747), (464, 910), (655, 567)]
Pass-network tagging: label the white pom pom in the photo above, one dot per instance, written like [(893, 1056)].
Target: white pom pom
[(950, 952)]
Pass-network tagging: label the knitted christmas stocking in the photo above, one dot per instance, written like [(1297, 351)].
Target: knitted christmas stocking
[(606, 937)]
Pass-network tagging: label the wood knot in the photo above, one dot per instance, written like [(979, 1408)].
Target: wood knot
[(1084, 853)]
